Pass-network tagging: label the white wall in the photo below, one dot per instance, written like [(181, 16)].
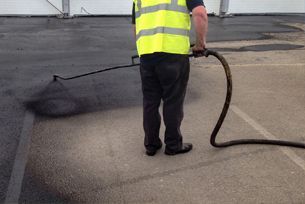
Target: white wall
[(29, 7), (97, 7), (121, 7), (266, 6), (212, 6)]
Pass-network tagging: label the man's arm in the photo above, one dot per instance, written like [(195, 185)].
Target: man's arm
[(200, 20)]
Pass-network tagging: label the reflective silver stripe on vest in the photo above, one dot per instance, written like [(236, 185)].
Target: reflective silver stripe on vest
[(164, 30), (167, 7)]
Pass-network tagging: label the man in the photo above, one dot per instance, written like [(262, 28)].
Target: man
[(162, 35)]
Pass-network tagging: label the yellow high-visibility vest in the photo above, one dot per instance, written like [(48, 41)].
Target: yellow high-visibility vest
[(162, 26)]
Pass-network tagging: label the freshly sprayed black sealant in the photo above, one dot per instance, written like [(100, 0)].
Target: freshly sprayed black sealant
[(55, 100)]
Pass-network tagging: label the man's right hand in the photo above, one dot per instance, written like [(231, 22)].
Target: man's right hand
[(197, 48)]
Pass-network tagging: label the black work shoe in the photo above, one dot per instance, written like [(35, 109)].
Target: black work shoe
[(152, 152), (186, 147)]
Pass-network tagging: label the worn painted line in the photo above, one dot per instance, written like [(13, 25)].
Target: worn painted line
[(289, 153), (21, 158)]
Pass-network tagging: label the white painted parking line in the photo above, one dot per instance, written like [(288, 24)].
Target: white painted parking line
[(21, 158), (288, 152)]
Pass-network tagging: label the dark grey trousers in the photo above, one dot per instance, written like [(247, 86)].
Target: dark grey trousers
[(164, 76)]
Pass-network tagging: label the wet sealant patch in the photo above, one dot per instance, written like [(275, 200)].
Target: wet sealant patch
[(55, 101)]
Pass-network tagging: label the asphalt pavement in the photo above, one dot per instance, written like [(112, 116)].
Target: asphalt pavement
[(82, 140)]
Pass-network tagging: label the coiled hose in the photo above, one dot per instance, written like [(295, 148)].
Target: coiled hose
[(225, 109)]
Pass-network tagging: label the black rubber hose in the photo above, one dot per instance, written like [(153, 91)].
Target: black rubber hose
[(226, 108)]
